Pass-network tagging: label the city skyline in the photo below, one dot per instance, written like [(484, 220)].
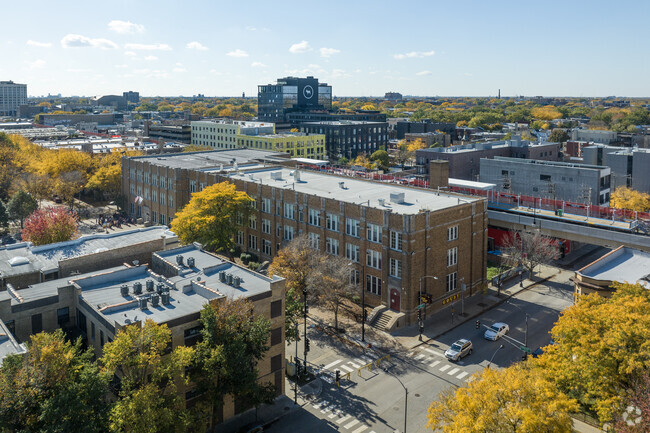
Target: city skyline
[(361, 49)]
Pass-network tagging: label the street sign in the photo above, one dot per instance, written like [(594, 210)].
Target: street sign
[(421, 306), (525, 349)]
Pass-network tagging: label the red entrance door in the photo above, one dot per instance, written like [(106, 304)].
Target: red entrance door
[(394, 299)]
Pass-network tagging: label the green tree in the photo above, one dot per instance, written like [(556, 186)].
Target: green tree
[(343, 161), (21, 206), (381, 158), (213, 216), (516, 399), (558, 136), (55, 387), (4, 217), (232, 342), (148, 379)]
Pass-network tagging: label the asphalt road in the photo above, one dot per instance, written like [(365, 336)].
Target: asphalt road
[(374, 400)]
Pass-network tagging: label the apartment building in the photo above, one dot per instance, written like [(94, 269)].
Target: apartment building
[(172, 291), (12, 96), (349, 138), (393, 236)]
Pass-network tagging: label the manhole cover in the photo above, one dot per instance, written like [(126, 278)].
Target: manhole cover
[(417, 395)]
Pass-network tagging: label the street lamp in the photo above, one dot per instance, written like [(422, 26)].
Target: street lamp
[(406, 396), (526, 335), (495, 352), (421, 324), (306, 342), (295, 387)]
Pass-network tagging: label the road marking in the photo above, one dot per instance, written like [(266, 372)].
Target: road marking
[(328, 408), (330, 365), (332, 415), (454, 371), (435, 352), (359, 361), (319, 404), (463, 374), (433, 364), (360, 429), (339, 421), (419, 357), (351, 423), (444, 367), (353, 364), (346, 368), (367, 359)]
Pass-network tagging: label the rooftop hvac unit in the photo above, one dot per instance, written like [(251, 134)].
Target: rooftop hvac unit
[(164, 297), (397, 197), (229, 279), (342, 185), (155, 299), (179, 260), (296, 176), (222, 276), (137, 289), (124, 290), (160, 288), (142, 303), (190, 262), (236, 281), (276, 175), (381, 201), (149, 284)]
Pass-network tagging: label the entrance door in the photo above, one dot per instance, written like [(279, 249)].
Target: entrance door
[(394, 300)]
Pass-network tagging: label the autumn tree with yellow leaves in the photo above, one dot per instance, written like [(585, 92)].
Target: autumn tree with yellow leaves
[(627, 198)]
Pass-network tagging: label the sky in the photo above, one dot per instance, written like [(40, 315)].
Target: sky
[(359, 47)]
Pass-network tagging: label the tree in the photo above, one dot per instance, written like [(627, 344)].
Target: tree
[(626, 198), (343, 161), (196, 148), (55, 387), (4, 217), (213, 216), (38, 186), (558, 136), (381, 158), (515, 399), (602, 344), (21, 206), (47, 226), (635, 418), (107, 180), (232, 342), (330, 282), (138, 357), (530, 249), (68, 184)]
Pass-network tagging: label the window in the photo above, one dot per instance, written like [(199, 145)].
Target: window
[(266, 226), (545, 177), (332, 246), (37, 323), (314, 241), (289, 210), (240, 238), (276, 362), (354, 277), (352, 252), (395, 241), (352, 227), (373, 284), (163, 182), (202, 187), (276, 336), (288, 233), (252, 242), (171, 201), (252, 222), (92, 331), (452, 256), (162, 199), (276, 308), (396, 268), (154, 180), (314, 217), (162, 219), (101, 338), (452, 233), (452, 280), (170, 183), (373, 259), (332, 222), (146, 177), (373, 232), (266, 247), (266, 205)]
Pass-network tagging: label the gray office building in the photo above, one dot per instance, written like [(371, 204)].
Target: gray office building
[(630, 166), (12, 96), (291, 94), (580, 183)]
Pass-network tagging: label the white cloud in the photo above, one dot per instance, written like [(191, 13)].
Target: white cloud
[(125, 27), (79, 41), (129, 53), (327, 52), (123, 66), (258, 65), (39, 44), (151, 58), (300, 47), (36, 64), (77, 70), (423, 73), (179, 70), (414, 55), (237, 53), (251, 28), (150, 47), (194, 45), (340, 73)]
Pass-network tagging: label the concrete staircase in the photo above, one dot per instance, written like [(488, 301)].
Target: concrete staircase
[(382, 320)]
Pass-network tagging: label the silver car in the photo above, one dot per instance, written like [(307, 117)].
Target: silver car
[(496, 331), (459, 349)]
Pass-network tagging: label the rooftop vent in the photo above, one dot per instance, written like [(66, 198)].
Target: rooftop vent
[(296, 176), (381, 201), (160, 288), (124, 290), (229, 279), (164, 297), (276, 175), (222, 276), (155, 298), (397, 197), (236, 281), (179, 260), (137, 289), (342, 185), (142, 303), (190, 262), (149, 284), (18, 260)]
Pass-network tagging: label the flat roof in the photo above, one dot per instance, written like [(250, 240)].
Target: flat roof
[(212, 158), (471, 184), (311, 161), (548, 163), (8, 344), (356, 191), (624, 264), (343, 122), (25, 258)]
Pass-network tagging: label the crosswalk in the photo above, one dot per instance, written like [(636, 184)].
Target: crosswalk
[(435, 359), (345, 420), (348, 366)]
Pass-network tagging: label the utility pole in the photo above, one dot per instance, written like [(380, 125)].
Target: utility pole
[(306, 345)]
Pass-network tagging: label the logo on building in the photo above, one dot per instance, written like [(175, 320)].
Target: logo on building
[(308, 91)]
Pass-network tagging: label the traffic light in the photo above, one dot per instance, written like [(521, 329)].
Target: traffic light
[(306, 344), (478, 324), (421, 327), (338, 376), (419, 315), (297, 367)]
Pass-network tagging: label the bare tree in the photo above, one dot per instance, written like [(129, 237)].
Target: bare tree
[(530, 249)]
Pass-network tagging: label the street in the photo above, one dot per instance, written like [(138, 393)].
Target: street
[(372, 400)]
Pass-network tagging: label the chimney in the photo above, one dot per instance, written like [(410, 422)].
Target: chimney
[(438, 173)]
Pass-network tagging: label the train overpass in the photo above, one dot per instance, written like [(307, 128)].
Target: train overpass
[(576, 228)]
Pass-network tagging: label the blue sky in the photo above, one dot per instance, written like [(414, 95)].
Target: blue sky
[(361, 48)]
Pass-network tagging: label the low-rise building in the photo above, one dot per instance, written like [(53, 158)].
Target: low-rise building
[(623, 265), (346, 138), (629, 165), (595, 135), (175, 133)]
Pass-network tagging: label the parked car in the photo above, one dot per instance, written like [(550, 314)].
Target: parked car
[(538, 352), (496, 331), (459, 349)]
